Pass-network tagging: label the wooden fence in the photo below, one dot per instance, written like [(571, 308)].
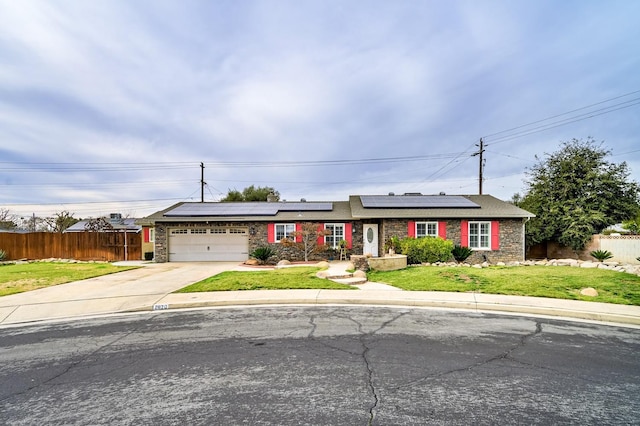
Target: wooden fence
[(106, 246)]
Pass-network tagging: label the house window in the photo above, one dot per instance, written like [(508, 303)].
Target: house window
[(337, 234), (284, 230), (152, 235), (426, 229), (480, 235)]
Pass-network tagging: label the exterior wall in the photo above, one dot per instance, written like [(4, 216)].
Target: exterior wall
[(511, 238), (257, 238)]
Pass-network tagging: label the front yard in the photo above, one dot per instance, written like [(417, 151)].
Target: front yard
[(18, 278), (299, 277), (560, 282)]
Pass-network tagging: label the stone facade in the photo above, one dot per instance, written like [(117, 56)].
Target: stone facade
[(511, 239)]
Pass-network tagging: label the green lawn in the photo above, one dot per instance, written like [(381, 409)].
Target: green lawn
[(561, 282), (18, 278), (299, 277)]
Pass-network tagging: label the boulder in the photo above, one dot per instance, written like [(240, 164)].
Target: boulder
[(284, 262), (322, 264), (251, 262), (359, 274), (589, 291)]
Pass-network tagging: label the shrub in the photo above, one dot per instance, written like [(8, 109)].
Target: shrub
[(461, 253), (601, 255), (3, 255), (263, 254), (426, 249)]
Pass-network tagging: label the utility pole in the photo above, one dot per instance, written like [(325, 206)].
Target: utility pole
[(202, 182), (480, 165)]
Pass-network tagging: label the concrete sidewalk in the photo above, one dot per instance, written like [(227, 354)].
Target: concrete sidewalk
[(150, 288)]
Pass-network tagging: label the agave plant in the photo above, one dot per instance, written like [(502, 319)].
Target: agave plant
[(601, 255), (263, 254), (461, 253)]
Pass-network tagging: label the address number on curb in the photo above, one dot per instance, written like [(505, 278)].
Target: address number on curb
[(159, 307)]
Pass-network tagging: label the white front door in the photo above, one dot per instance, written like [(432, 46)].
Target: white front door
[(370, 233)]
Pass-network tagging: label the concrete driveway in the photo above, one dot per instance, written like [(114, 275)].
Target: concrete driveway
[(123, 291)]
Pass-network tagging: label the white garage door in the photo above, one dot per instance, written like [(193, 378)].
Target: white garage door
[(208, 244)]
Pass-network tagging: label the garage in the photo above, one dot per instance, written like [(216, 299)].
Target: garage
[(216, 244)]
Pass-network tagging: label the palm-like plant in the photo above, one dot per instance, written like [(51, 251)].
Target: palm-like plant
[(601, 255)]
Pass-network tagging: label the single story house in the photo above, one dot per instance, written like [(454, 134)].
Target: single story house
[(215, 231)]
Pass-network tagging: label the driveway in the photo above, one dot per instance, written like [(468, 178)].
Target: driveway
[(123, 291)]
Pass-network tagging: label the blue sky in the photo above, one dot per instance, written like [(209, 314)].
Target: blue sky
[(110, 106)]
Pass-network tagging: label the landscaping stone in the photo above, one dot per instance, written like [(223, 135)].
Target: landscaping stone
[(322, 264), (359, 274), (589, 291)]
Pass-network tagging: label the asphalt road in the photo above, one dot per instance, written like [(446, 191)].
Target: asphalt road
[(319, 366)]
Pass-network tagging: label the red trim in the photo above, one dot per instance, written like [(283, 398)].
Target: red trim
[(495, 235), (348, 234), (442, 230), (299, 232), (271, 233), (411, 229), (464, 233), (320, 237)]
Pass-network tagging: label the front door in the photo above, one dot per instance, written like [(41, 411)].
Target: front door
[(370, 233)]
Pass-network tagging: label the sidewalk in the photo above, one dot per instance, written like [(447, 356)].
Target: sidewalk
[(150, 288)]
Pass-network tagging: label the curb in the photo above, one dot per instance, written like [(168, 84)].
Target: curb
[(568, 309)]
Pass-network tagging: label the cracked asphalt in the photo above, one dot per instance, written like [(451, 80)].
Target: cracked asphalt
[(325, 365)]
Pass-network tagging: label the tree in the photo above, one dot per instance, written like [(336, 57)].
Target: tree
[(60, 221), (7, 219), (576, 193), (306, 239), (252, 193)]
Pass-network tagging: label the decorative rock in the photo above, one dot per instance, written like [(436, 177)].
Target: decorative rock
[(251, 262), (322, 274), (284, 262), (350, 266), (477, 266), (323, 264), (588, 264), (360, 274), (501, 264), (589, 291)]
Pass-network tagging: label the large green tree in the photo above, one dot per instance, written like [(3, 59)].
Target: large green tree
[(575, 193), (252, 193)]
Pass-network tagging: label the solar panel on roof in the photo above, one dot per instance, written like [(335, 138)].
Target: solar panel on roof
[(416, 201), (244, 209)]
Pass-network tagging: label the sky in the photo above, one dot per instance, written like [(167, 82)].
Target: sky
[(112, 106)]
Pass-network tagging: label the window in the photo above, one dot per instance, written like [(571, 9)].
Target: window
[(480, 235), (198, 231), (337, 234), (179, 231), (284, 230), (152, 235), (426, 229)]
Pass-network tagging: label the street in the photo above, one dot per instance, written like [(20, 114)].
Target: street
[(324, 365)]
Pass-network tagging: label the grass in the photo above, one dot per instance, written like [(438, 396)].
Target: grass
[(300, 277), (18, 278), (561, 282)]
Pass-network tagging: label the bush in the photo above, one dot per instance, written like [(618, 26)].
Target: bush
[(461, 253), (3, 255), (601, 255), (426, 249), (263, 254)]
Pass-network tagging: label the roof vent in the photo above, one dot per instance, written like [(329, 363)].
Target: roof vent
[(443, 193), (115, 218), (412, 193), (303, 200), (391, 194)]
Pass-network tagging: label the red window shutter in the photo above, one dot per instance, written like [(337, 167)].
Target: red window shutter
[(146, 235), (320, 237), (411, 228), (464, 233), (271, 233), (299, 231), (348, 234), (495, 235), (442, 230)]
